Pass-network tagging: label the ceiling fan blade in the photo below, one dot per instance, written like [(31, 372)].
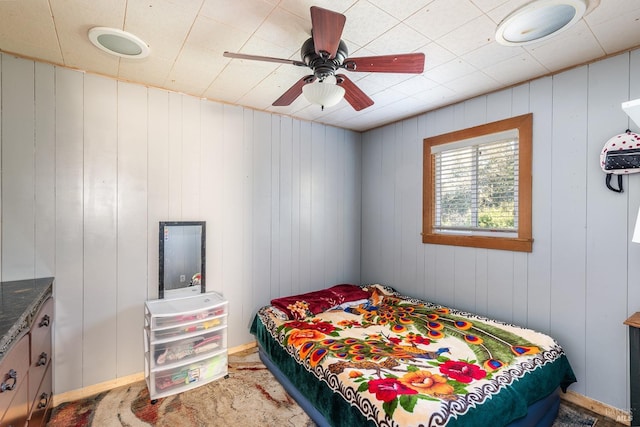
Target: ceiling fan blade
[(263, 58), (353, 94), (326, 30), (402, 63), (293, 92)]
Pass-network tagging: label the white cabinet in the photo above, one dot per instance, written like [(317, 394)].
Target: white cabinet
[(185, 343)]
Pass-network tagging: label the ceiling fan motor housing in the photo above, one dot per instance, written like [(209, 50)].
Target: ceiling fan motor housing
[(321, 65)]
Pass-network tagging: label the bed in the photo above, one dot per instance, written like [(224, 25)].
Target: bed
[(366, 355)]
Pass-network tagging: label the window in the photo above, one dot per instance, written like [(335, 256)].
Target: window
[(477, 186)]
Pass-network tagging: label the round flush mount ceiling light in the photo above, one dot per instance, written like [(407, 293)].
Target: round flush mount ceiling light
[(118, 42), (539, 20)]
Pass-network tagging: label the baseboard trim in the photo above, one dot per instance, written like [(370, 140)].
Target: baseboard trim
[(243, 347), (615, 414), (92, 390)]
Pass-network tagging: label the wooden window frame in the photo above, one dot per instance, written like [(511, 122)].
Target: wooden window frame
[(524, 240)]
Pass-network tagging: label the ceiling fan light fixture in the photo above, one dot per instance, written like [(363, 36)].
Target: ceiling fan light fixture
[(325, 93), (539, 20), (118, 42)]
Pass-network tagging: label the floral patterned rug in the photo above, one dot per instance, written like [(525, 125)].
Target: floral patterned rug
[(251, 396)]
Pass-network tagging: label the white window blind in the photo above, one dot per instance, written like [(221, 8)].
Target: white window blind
[(476, 185)]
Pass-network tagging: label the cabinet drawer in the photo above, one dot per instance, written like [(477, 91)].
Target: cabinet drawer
[(17, 414), (182, 350), (188, 376), (193, 327), (38, 373), (41, 334), (42, 402), (13, 373), (40, 347)]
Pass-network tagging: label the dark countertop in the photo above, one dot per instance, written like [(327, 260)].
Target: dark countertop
[(20, 301)]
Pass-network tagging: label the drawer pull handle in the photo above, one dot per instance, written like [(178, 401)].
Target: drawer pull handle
[(45, 321), (43, 359), (44, 400), (12, 375)]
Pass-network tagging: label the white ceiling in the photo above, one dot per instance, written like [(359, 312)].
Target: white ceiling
[(187, 39)]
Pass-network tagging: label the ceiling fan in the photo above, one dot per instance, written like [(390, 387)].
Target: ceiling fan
[(325, 53)]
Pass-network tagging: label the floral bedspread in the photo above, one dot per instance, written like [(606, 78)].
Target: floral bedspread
[(406, 362)]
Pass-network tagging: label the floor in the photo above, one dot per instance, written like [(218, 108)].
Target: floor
[(602, 421)]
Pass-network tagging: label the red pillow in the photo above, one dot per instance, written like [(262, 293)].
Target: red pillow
[(311, 303)]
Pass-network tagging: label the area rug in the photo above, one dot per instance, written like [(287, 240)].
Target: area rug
[(251, 396), (569, 417)]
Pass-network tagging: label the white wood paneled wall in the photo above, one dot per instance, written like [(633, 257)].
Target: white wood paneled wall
[(89, 167), (582, 279)]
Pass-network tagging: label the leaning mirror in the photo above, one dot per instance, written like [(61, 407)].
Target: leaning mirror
[(182, 258)]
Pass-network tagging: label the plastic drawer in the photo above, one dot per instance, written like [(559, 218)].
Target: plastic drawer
[(188, 328), (167, 353), (188, 376)]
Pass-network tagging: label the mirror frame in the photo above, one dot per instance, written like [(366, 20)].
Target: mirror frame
[(203, 247)]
